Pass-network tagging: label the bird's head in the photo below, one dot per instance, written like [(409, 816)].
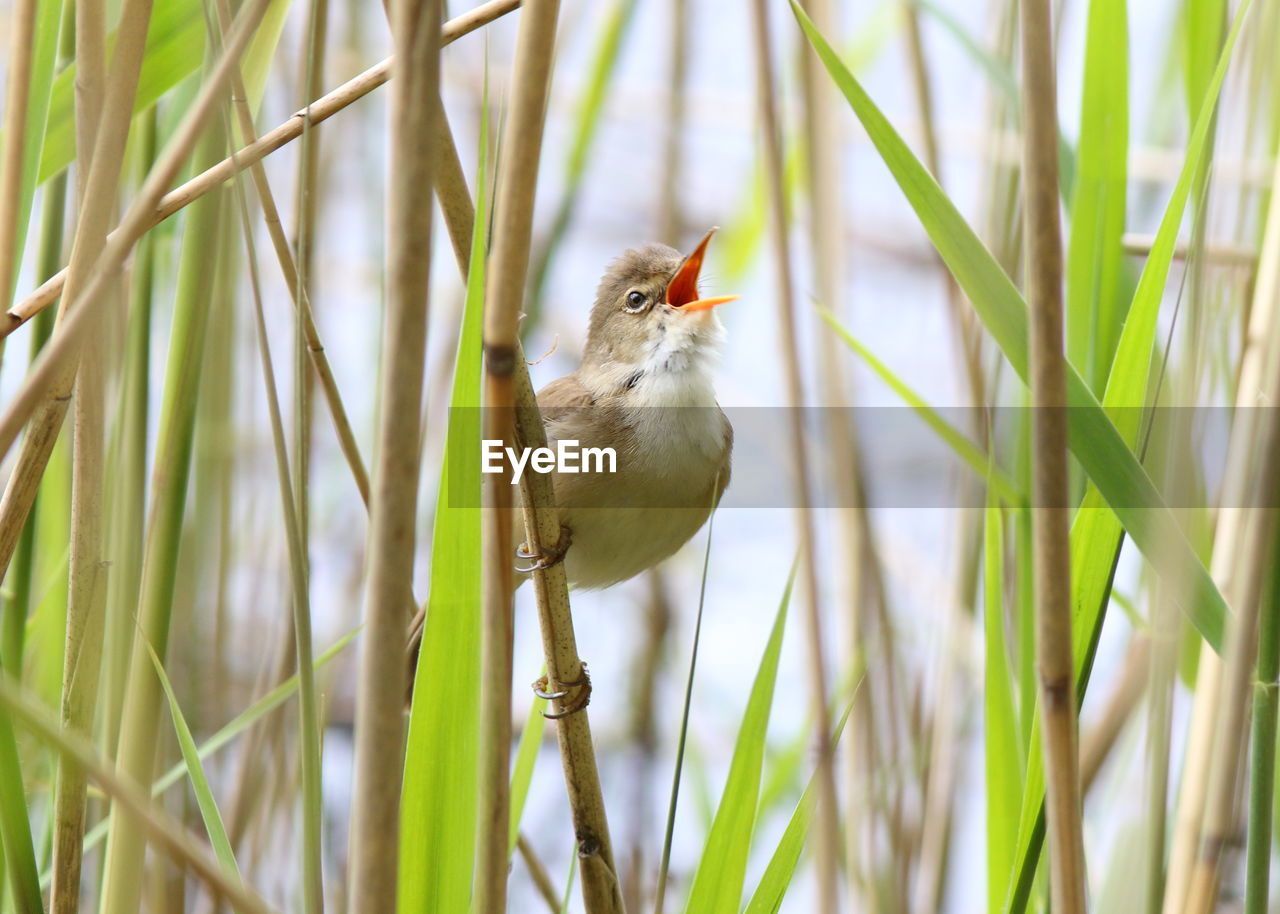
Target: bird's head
[(648, 318)]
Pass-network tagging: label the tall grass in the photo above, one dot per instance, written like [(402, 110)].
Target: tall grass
[(162, 607)]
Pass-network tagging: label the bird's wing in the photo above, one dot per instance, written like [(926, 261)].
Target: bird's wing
[(562, 397)]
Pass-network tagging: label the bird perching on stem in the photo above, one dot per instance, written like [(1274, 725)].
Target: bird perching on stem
[(645, 389)]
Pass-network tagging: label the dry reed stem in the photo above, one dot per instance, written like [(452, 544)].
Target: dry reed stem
[(89, 38), (506, 385), (827, 844), (21, 51), (856, 547), (670, 212), (1259, 347), (939, 780), (311, 78), (86, 603), (658, 613), (456, 205), (70, 785), (298, 292), (320, 110), (565, 669), (538, 873), (1221, 253), (1096, 745), (1050, 516), (108, 128), (379, 750), (179, 844), (308, 711), (49, 379), (1257, 473)]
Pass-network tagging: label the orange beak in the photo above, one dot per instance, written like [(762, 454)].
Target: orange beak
[(682, 291)]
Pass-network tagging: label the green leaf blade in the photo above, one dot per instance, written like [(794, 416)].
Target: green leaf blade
[(718, 882), (439, 799)]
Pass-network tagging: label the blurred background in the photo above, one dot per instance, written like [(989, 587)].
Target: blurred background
[(653, 133)]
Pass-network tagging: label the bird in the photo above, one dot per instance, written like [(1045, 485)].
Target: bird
[(646, 389)]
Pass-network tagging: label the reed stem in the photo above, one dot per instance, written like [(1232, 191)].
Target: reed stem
[(1050, 514), (827, 823), (379, 751)]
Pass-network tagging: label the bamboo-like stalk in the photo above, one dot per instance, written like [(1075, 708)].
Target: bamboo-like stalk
[(127, 467), (566, 671), (85, 620), (320, 110), (379, 750), (49, 381), (123, 870), (827, 823), (1262, 758), (96, 194), (1050, 515), (1257, 486), (504, 294), (18, 84), (508, 385), (305, 213), (89, 37), (1260, 346)]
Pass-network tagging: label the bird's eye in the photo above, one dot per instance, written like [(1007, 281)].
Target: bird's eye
[(636, 300)]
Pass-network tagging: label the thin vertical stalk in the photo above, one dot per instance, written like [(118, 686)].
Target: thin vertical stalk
[(135, 753), (669, 209), (1260, 347), (85, 623), (165, 205), (294, 277), (379, 750), (99, 172), (17, 599), (658, 609), (1243, 588), (828, 837), (1262, 758), (1050, 514), (308, 710), (48, 384), (127, 497), (859, 583), (508, 273), (18, 80), (566, 671), (507, 384), (304, 246), (940, 780)]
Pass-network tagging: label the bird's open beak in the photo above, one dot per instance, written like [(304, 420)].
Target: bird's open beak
[(682, 291)]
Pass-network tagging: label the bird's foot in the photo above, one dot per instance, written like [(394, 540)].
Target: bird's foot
[(579, 689), (544, 557)]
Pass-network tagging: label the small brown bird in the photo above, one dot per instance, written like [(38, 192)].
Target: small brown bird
[(644, 389)]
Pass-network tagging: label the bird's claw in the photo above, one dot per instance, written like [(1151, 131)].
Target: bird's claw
[(582, 685), (544, 557)]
